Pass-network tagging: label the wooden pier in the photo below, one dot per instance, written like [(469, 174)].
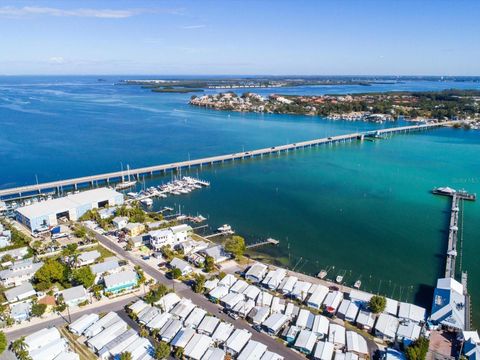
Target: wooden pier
[(457, 196), (113, 177), (269, 241)]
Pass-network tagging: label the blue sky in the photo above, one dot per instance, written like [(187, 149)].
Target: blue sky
[(398, 37)]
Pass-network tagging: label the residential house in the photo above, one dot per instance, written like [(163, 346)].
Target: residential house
[(20, 292), (121, 281), (74, 295), (386, 327), (305, 341), (218, 253), (19, 272), (323, 351), (182, 265), (20, 311), (120, 222), (256, 272), (88, 258), (448, 307), (134, 229)]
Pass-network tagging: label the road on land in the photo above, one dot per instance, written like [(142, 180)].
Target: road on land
[(201, 301)]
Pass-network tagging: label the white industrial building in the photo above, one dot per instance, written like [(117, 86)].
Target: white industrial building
[(46, 213)]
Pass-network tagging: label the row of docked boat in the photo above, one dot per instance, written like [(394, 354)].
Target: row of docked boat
[(182, 186)]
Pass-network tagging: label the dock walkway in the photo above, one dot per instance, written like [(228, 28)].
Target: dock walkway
[(107, 178)]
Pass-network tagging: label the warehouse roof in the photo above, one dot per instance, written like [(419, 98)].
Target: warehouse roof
[(68, 202)]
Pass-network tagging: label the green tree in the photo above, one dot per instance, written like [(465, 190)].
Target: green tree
[(377, 304), (3, 342), (179, 353), (70, 250), (199, 285), (126, 356), (38, 309), (51, 271), (162, 350), (167, 252), (141, 274), (83, 276), (209, 265), (418, 349), (18, 346), (175, 273), (236, 245), (7, 258)]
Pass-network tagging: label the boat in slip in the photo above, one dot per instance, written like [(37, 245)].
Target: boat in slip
[(322, 274), (125, 184), (225, 229), (147, 202), (357, 284)]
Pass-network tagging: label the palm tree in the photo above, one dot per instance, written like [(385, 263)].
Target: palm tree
[(19, 345), (126, 356)]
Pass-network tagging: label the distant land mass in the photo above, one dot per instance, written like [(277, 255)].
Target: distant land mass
[(376, 107)]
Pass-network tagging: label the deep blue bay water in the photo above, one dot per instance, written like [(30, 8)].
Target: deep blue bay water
[(364, 208)]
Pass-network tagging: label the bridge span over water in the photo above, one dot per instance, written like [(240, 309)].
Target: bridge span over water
[(117, 176)]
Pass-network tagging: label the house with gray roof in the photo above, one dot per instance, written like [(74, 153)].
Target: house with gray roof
[(19, 272), (20, 292), (74, 295)]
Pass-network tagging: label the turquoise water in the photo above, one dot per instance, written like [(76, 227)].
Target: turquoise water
[(363, 208)]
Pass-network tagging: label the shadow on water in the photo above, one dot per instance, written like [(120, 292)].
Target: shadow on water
[(423, 296)]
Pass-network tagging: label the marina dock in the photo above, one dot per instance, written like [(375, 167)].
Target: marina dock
[(114, 177)]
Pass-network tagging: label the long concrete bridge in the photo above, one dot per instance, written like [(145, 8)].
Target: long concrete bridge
[(117, 176)]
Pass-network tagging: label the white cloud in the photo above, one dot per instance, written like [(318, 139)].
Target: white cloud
[(56, 60), (191, 27), (16, 12)]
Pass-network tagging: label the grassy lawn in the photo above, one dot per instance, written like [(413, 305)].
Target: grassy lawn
[(104, 252)]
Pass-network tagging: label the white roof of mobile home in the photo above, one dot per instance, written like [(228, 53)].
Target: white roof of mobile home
[(197, 346), (231, 299), (244, 307), (228, 280), (211, 284), (320, 325), (333, 299), (107, 335), (306, 340), (237, 341), (365, 318), (139, 347), (183, 308), (88, 256), (208, 325), (147, 314), (264, 299), (288, 284), (269, 355), (305, 319), (259, 314), (80, 325), (409, 330), (239, 286), (20, 292), (252, 351), (362, 296), (138, 306), (213, 353), (356, 343), (222, 332), (391, 307), (117, 345), (218, 292), (159, 320), (316, 299), (49, 351), (300, 290), (256, 272), (276, 278), (41, 338), (74, 293), (387, 325), (323, 351), (411, 312), (183, 337), (170, 329), (105, 266), (195, 317), (104, 322), (167, 302), (68, 356), (336, 334), (278, 305), (275, 322)]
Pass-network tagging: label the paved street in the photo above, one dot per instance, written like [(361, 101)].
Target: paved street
[(26, 330), (201, 301)]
